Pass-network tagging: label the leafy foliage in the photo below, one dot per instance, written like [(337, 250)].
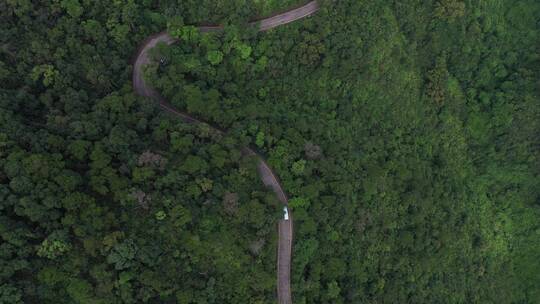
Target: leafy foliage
[(405, 133)]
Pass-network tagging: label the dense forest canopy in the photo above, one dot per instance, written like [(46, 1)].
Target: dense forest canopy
[(405, 133)]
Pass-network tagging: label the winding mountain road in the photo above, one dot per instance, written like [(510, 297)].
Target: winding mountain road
[(269, 179)]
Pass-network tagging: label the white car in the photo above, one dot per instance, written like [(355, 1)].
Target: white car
[(285, 213)]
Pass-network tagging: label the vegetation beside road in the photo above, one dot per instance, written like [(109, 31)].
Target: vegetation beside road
[(405, 132)]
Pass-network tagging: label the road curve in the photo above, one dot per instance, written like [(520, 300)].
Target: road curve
[(268, 177)]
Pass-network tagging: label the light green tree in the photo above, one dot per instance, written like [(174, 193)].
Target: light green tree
[(160, 215), (52, 249), (244, 49), (259, 140), (298, 202), (298, 167), (73, 7), (333, 290), (215, 57), (49, 73)]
